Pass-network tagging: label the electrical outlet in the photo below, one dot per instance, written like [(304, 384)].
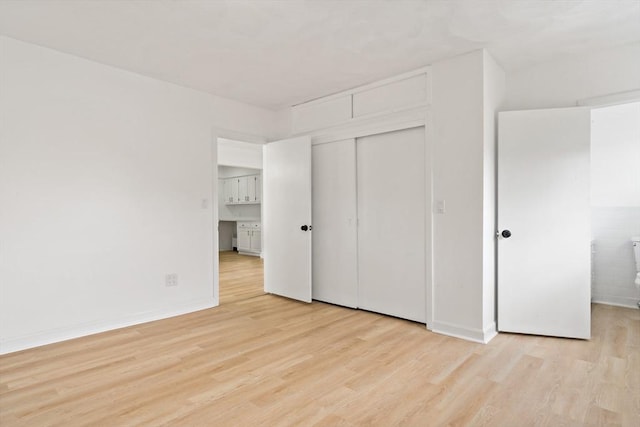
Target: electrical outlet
[(171, 279)]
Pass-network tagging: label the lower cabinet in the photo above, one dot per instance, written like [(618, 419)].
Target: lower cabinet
[(249, 238)]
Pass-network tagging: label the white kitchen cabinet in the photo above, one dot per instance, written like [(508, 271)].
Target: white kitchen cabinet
[(231, 191), (243, 190), (255, 243), (249, 238), (254, 189), (244, 238)]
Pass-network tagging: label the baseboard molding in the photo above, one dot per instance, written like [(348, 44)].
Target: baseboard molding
[(475, 335), (627, 302), (63, 334), (258, 254)]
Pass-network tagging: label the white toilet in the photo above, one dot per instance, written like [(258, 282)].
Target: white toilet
[(636, 252)]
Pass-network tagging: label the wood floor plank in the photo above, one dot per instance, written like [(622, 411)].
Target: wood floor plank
[(260, 359)]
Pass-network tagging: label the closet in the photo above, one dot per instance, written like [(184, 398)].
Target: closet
[(369, 217), (334, 214)]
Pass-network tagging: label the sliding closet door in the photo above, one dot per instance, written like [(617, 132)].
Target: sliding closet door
[(391, 234), (335, 276)]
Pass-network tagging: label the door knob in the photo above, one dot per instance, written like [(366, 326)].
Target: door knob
[(506, 234), (304, 228)]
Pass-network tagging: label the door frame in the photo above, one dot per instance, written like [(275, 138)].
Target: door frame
[(215, 217)]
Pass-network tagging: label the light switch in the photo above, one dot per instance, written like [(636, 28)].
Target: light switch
[(440, 206), (204, 204)]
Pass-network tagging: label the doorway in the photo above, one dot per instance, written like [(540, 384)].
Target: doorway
[(239, 220), (615, 203), (569, 199)]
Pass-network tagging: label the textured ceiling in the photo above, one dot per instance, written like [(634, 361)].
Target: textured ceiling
[(279, 53)]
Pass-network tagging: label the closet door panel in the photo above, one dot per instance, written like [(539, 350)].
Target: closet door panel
[(334, 275), (391, 233)]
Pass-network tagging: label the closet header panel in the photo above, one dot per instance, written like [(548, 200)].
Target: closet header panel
[(321, 114), (400, 93), (387, 98)]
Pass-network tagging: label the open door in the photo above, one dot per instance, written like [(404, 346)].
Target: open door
[(287, 218), (544, 229)]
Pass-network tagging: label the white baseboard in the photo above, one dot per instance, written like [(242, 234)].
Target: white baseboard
[(241, 252), (38, 339), (475, 335), (627, 302)]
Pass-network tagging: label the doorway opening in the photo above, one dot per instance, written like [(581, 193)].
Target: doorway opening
[(240, 264), (615, 203), (568, 181)]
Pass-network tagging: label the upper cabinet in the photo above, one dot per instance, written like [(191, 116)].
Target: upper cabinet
[(243, 190), (401, 93), (230, 190), (254, 188)]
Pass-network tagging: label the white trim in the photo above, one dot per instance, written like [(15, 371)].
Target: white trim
[(610, 99), (349, 92), (76, 331), (490, 332), (429, 226), (628, 302), (475, 335), (238, 136), (358, 128), (405, 108), (215, 218), (362, 120)]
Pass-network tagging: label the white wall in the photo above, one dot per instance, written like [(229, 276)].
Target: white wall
[(615, 201), (238, 153), (561, 83), (282, 124), (465, 89), (615, 155), (614, 267), (103, 173)]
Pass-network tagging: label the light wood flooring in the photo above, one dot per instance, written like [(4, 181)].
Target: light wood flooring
[(241, 277), (268, 361)]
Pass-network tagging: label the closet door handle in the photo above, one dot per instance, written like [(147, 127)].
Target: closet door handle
[(304, 228)]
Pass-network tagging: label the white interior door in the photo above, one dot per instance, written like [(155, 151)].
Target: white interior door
[(391, 233), (543, 201), (287, 218), (335, 268)]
